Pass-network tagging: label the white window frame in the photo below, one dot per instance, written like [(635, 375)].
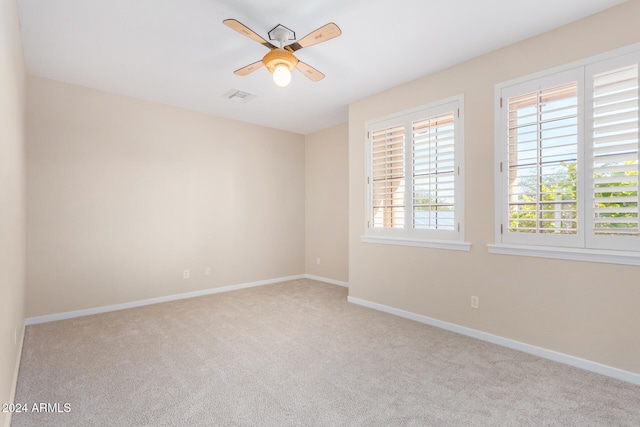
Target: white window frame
[(584, 246), (407, 235)]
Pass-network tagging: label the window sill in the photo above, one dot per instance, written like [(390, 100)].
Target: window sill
[(589, 255), (437, 244)]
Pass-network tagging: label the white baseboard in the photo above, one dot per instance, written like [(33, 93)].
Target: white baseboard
[(107, 308), (566, 359), (324, 279), (133, 304), (16, 369)]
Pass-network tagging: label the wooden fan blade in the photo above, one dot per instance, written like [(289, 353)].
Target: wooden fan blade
[(310, 72), (247, 32), (248, 69), (320, 35)]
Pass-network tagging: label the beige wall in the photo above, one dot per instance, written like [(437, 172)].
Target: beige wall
[(12, 258), (327, 214), (588, 310), (123, 195)]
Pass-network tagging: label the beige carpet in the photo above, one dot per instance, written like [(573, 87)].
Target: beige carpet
[(296, 353)]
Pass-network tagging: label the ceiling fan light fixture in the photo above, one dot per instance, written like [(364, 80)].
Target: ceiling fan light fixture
[(281, 75), (280, 63)]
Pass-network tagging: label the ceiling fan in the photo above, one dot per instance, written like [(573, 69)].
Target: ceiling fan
[(280, 61)]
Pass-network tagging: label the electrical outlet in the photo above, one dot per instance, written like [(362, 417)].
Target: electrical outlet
[(317, 261), (207, 271), (186, 274), (475, 302)]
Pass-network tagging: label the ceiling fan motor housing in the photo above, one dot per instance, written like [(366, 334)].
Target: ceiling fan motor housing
[(279, 56)]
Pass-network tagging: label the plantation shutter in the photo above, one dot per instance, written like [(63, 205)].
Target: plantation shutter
[(569, 162), (434, 172), (615, 152), (542, 167), (414, 179), (388, 157)]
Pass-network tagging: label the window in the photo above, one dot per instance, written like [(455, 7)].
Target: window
[(414, 177), (567, 147)]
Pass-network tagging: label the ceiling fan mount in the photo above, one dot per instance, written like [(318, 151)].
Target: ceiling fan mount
[(280, 61), (281, 34)]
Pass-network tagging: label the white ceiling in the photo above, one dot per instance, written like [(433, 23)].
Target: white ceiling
[(178, 52)]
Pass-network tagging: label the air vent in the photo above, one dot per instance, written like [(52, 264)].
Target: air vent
[(239, 96)]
